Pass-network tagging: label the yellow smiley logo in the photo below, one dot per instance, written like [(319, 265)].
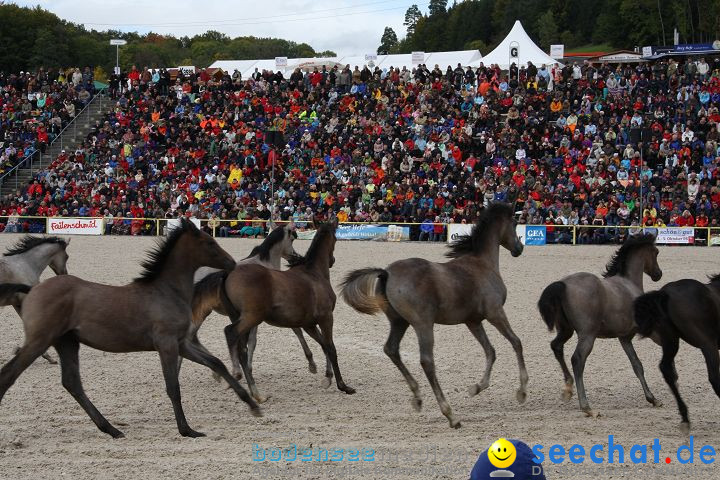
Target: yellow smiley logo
[(502, 453)]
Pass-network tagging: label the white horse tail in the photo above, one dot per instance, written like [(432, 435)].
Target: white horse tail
[(13, 293), (364, 290)]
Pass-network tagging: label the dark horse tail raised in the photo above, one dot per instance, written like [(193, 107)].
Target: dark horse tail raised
[(12, 293), (550, 305), (651, 312), (208, 295), (360, 291)]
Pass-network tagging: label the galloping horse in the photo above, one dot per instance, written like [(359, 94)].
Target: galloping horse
[(25, 261), (277, 245), (152, 313), (467, 289), (301, 297), (600, 308), (685, 309)]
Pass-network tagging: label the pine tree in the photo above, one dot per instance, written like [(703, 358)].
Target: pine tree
[(412, 15), (388, 42)]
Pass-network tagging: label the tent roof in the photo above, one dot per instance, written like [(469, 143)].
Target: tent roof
[(527, 50)]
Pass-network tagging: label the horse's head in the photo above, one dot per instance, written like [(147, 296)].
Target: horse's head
[(58, 261), (508, 236), (290, 235), (332, 226), (203, 248), (650, 263)]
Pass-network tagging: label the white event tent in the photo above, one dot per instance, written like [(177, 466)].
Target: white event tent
[(527, 51)]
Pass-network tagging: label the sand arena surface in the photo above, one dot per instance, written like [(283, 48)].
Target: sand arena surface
[(45, 434)]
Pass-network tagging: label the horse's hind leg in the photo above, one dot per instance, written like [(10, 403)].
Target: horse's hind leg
[(314, 333), (308, 353), (627, 345), (500, 321), (558, 348), (583, 349), (326, 329), (670, 348), (478, 331), (426, 341), (398, 327), (168, 351), (241, 342), (712, 359), (22, 360), (67, 348), (45, 355), (196, 353)]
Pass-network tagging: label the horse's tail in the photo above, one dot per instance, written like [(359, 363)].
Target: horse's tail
[(550, 305), (13, 293), (651, 311), (207, 296), (361, 292)]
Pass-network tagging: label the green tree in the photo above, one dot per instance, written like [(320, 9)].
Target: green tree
[(547, 30), (412, 15), (437, 7), (388, 42)]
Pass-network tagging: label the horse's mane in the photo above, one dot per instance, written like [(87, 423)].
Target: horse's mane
[(156, 259), (275, 237), (324, 231), (714, 278), (467, 244), (617, 264), (29, 242)]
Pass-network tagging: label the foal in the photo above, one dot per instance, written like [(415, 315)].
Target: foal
[(150, 314), (600, 308)]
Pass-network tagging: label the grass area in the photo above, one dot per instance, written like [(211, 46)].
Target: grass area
[(591, 48)]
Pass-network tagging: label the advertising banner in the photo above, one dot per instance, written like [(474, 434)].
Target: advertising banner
[(535, 235), (74, 226), (676, 235), (456, 230)]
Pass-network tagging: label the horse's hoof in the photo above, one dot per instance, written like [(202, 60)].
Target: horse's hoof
[(655, 402), (455, 423), (416, 404), (592, 414), (260, 399), (326, 382), (256, 412), (476, 388), (567, 393), (521, 396), (115, 433), (348, 390), (191, 433), (237, 376), (312, 368), (685, 428), (51, 361), (217, 377)]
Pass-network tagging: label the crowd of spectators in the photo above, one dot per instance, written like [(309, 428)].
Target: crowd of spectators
[(35, 107), (567, 145)]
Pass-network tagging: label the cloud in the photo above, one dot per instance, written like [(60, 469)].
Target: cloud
[(343, 26)]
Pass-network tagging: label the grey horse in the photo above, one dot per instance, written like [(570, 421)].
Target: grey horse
[(277, 245), (600, 308), (24, 262), (465, 290)]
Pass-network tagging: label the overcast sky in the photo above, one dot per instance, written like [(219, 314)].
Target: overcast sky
[(346, 27)]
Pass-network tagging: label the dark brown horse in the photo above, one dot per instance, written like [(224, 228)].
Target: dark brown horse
[(150, 314), (685, 309), (465, 290), (301, 297), (600, 308)]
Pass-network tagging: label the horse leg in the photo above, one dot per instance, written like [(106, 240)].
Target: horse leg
[(627, 345), (196, 353), (234, 350), (242, 347), (308, 353), (558, 348), (45, 355), (426, 341), (168, 351), (67, 348), (476, 328), (712, 359), (583, 349), (326, 329), (398, 327), (500, 321), (314, 333), (670, 348), (24, 357)]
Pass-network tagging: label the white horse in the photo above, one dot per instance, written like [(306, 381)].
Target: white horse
[(25, 262)]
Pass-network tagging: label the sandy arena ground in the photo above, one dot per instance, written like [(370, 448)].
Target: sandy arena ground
[(45, 434)]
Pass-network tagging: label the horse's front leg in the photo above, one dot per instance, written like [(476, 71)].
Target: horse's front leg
[(500, 321), (326, 327), (579, 357), (308, 353)]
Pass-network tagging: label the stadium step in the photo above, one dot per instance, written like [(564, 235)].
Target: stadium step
[(73, 136)]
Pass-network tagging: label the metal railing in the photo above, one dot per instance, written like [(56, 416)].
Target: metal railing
[(28, 159), (554, 234)]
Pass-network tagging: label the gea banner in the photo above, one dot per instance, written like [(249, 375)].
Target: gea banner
[(74, 226), (529, 235), (677, 235), (534, 234)]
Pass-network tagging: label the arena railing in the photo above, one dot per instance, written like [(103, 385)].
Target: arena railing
[(28, 159), (553, 234)]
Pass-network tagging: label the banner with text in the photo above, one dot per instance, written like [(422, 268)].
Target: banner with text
[(676, 235), (74, 226)]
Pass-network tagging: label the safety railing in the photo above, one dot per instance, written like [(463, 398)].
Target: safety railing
[(27, 160), (549, 234)]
